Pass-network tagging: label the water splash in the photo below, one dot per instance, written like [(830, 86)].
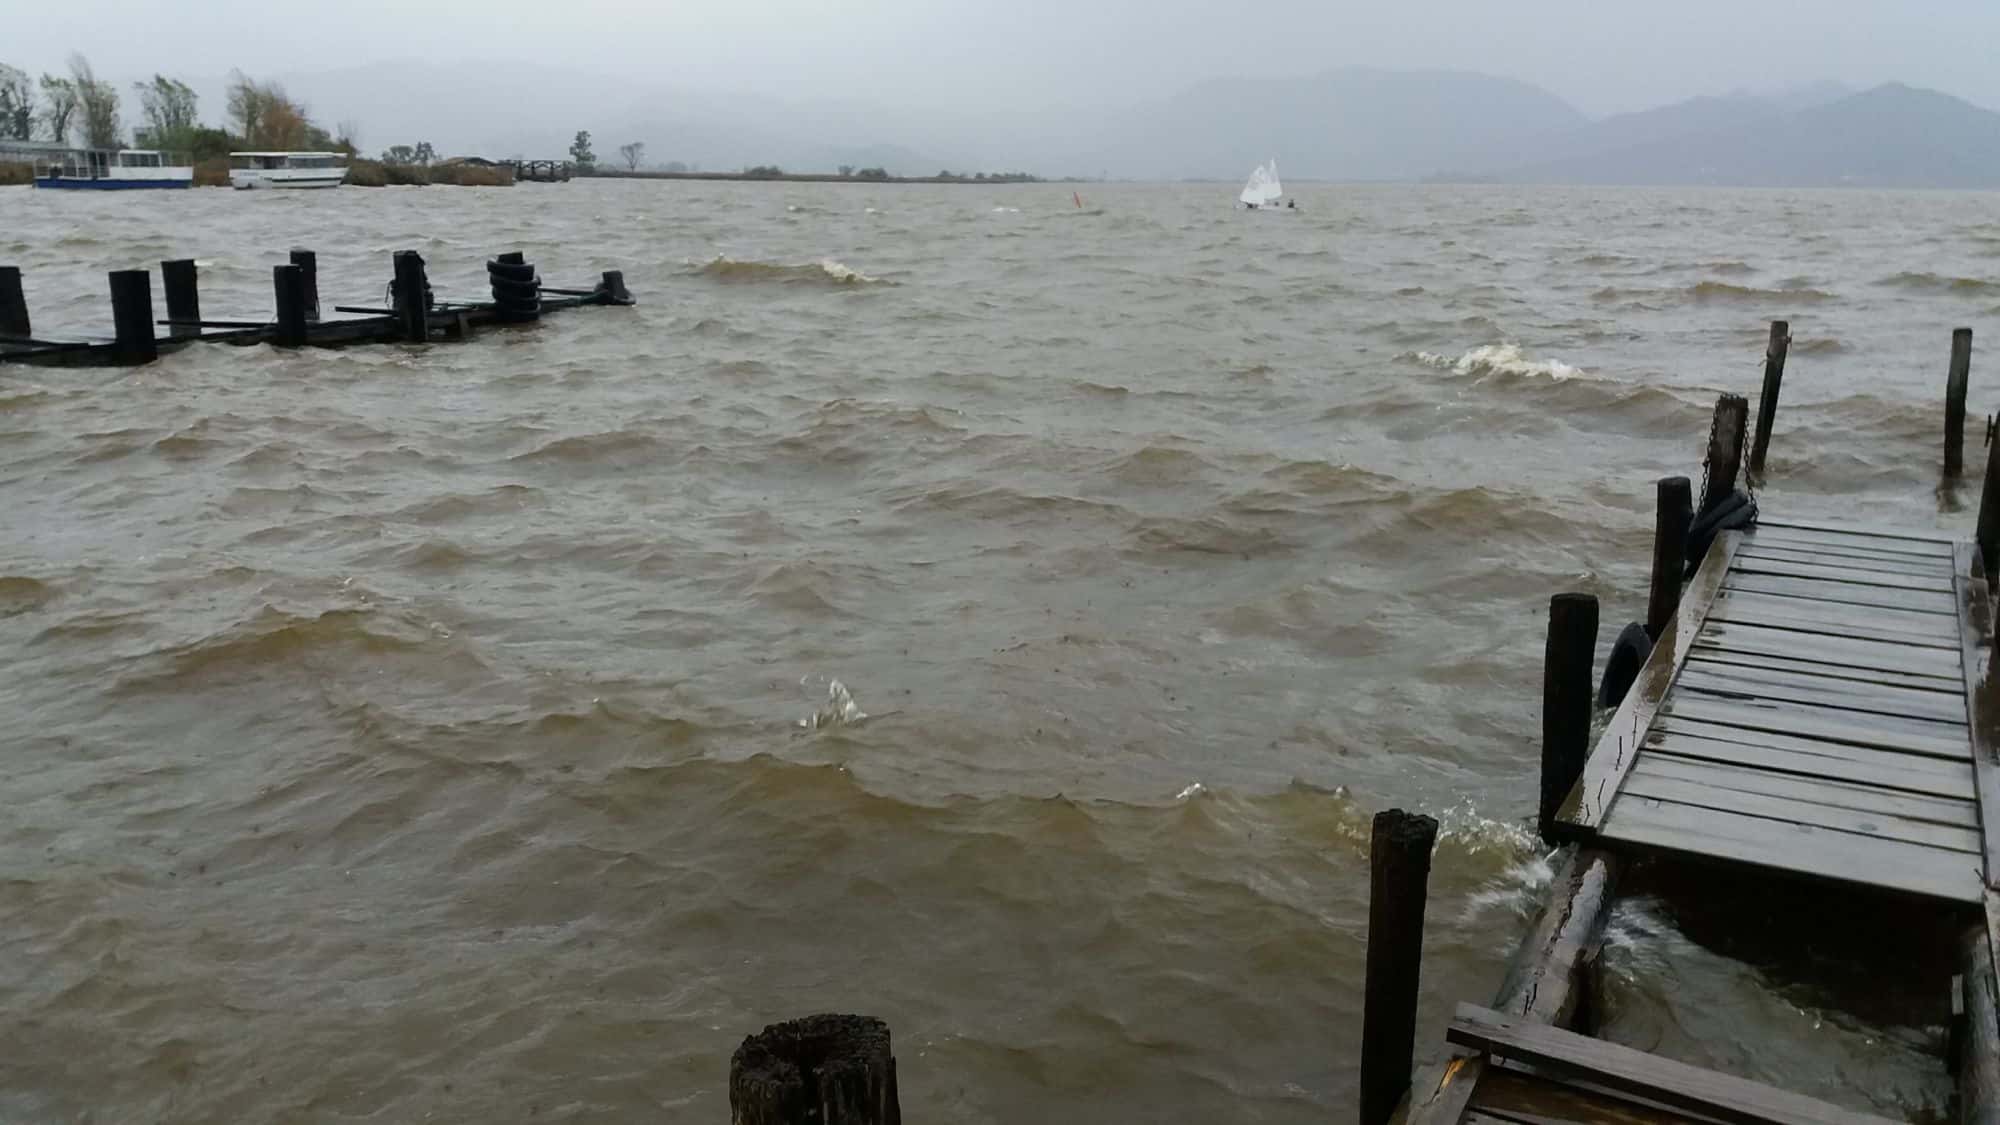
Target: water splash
[(1501, 359), (839, 709)]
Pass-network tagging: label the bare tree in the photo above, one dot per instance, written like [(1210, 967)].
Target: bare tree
[(17, 104), (99, 102), (347, 135), (169, 109), (59, 96)]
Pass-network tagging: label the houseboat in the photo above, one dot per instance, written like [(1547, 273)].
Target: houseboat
[(99, 169), (286, 169)]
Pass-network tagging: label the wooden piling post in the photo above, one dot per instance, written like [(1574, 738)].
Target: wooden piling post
[(1566, 700), (1767, 399), (1725, 449), (308, 263), (1673, 510), (178, 278), (1954, 402), (412, 296), (289, 283), (826, 1070), (13, 305), (1987, 530), (132, 317), (1399, 869), (1979, 1045)]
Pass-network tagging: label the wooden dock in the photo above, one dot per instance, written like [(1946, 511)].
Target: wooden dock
[(1816, 705), (1821, 705)]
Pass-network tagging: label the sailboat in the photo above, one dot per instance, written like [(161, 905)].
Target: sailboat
[(1263, 191)]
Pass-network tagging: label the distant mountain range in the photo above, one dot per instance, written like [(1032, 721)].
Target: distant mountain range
[(1353, 124)]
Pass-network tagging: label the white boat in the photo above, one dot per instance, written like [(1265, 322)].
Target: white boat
[(1263, 191), (100, 169), (286, 169)]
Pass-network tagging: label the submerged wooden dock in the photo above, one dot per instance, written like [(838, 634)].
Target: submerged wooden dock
[(1817, 707)]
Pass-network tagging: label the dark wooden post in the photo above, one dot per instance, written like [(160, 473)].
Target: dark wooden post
[(412, 291), (1725, 449), (183, 297), (1767, 400), (1979, 1044), (308, 263), (132, 317), (1399, 870), (13, 305), (826, 1070), (1987, 531), (289, 282), (1954, 402), (1672, 512), (1549, 977), (1566, 700)]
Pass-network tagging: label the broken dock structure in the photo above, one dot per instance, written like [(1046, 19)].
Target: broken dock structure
[(414, 314), (1810, 709)]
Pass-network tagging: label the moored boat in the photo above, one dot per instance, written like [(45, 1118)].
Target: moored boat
[(99, 169), (286, 169)]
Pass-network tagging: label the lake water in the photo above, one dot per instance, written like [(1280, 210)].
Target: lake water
[(428, 733)]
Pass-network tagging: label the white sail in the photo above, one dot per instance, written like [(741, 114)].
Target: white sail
[(1272, 189), (1254, 192)]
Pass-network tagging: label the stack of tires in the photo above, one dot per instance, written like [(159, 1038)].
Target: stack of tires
[(517, 289)]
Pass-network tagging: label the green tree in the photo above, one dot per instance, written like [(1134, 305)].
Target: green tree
[(59, 100), (17, 104), (846, 170), (424, 154), (98, 101), (579, 149), (633, 154), (399, 154), (168, 106)]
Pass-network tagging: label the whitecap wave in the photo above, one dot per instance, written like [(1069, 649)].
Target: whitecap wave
[(838, 710), (1501, 359)]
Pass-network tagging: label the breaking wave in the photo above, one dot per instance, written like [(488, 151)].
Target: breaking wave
[(826, 271), (1724, 291), (1500, 359), (1925, 282)]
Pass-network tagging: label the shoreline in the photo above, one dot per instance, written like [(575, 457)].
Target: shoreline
[(811, 178)]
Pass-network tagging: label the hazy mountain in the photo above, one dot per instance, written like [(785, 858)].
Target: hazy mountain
[(1890, 136), (1352, 124)]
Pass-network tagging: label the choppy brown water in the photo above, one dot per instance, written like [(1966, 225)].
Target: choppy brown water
[(414, 734)]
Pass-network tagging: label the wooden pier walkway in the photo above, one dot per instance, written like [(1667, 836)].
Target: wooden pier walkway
[(1820, 704)]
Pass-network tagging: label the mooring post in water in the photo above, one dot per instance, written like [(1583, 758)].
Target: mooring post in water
[(1767, 400), (289, 282), (1399, 871), (132, 317), (1566, 700), (1673, 511), (308, 263), (1954, 402), (1987, 532), (826, 1070), (412, 292), (177, 277), (1725, 449), (1978, 1043), (13, 305)]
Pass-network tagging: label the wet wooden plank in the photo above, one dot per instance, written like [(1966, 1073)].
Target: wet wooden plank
[(1948, 683), (1731, 636), (1862, 765), (1531, 1099), (1931, 542), (1884, 826), (1955, 811), (1982, 697), (1448, 1099), (1833, 619), (1903, 564), (1619, 744), (1821, 724), (1852, 548), (1803, 849), (1927, 601), (1567, 1054), (1940, 583), (1844, 695)]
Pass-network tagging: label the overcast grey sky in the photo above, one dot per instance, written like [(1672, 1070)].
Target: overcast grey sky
[(1602, 55)]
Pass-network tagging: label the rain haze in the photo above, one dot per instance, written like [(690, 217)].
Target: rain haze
[(1028, 82)]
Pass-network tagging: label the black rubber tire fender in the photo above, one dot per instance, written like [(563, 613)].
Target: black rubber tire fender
[(512, 271), (1736, 511), (1628, 655)]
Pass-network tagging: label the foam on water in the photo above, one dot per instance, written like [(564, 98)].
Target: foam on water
[(1501, 359)]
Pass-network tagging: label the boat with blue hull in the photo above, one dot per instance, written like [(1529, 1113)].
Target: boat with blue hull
[(124, 169)]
